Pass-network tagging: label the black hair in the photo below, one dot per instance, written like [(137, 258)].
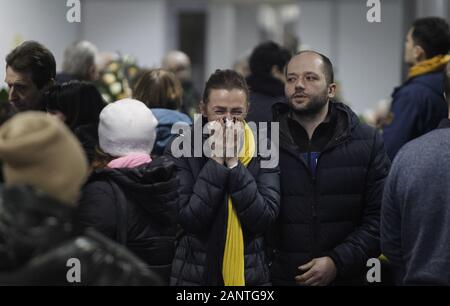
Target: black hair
[(32, 57), (432, 34), (80, 102), (267, 55)]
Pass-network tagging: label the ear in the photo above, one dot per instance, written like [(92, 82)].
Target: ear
[(331, 90), (419, 53), (202, 108)]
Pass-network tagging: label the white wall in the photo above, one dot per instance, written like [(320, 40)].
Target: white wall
[(247, 27), (135, 27), (43, 20), (232, 30), (367, 56), (438, 8), (220, 36), (316, 26)]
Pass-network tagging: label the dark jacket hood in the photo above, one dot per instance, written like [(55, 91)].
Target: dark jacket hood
[(153, 186)]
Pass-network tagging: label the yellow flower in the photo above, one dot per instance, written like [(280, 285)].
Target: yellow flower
[(113, 67), (109, 78)]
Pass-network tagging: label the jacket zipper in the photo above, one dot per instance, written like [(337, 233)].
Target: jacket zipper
[(315, 227)]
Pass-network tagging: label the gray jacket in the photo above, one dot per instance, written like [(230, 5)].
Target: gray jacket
[(415, 216)]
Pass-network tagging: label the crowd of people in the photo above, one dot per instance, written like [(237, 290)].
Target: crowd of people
[(106, 184)]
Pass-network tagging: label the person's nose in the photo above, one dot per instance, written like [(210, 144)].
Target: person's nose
[(12, 95), (299, 85), (228, 116)]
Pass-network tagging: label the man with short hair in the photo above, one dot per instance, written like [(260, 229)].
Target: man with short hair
[(30, 71), (418, 106), (179, 64), (79, 63), (332, 173), (415, 215), (266, 81)]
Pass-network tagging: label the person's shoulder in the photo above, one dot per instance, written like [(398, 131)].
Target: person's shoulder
[(423, 85), (366, 130), (98, 182), (429, 142), (118, 265), (358, 128), (424, 150)]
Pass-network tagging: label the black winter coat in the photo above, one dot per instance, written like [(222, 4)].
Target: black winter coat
[(204, 190), (335, 213), (38, 237), (135, 207)]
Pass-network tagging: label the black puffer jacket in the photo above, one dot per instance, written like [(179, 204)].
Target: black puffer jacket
[(337, 212), (141, 200), (202, 215), (38, 237)]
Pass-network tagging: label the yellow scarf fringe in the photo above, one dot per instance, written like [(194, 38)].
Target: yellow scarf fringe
[(233, 258)]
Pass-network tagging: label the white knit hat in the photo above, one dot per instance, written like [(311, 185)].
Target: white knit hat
[(127, 126)]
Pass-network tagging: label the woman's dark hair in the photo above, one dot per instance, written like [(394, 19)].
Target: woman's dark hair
[(100, 159), (158, 88), (225, 79), (79, 102)]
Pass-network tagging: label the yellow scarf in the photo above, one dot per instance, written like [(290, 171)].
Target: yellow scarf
[(429, 65), (233, 257)]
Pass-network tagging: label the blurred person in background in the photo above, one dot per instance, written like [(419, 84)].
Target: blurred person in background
[(78, 105), (79, 63), (30, 71), (44, 169), (179, 63), (417, 105), (161, 91), (266, 80)]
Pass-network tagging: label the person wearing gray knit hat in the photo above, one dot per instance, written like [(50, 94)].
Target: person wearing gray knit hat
[(38, 150)]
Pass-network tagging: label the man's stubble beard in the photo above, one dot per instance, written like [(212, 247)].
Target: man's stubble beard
[(314, 107)]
